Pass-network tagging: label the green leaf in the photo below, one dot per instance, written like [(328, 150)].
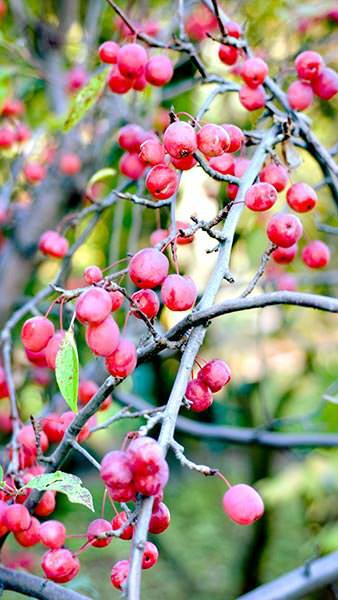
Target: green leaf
[(85, 99), (101, 175), (66, 484), (67, 370)]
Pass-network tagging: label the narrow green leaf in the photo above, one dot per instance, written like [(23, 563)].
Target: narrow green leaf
[(65, 483), (85, 99), (67, 370), (101, 175)]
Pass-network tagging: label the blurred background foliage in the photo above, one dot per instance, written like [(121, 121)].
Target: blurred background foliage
[(283, 359)]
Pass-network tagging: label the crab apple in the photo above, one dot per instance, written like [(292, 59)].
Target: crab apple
[(243, 504), (252, 98), (117, 299), (131, 137), (16, 518), (286, 283), (300, 95), (36, 333), (276, 175), (236, 136), (161, 182), (117, 83), (159, 70), (152, 152), (31, 536), (3, 527), (145, 456), (131, 165), (148, 268), (180, 238), (12, 107), (316, 254), (52, 534), (98, 527), (119, 574), (7, 137), (70, 164), (46, 505), (3, 384), (68, 417), (53, 347), (131, 60), (6, 427), (93, 306), (199, 395), (147, 303), (215, 374), (180, 139), (119, 521), (140, 83), (158, 236), (92, 274), (160, 518), (309, 65), (283, 256), (213, 140), (60, 565), (103, 338), (151, 485), (22, 133), (108, 52), (284, 229), (53, 427), (76, 79), (199, 22), (260, 196), (116, 473), (150, 555), (178, 292), (51, 243), (301, 197), (87, 389), (34, 172), (184, 164), (225, 164), (123, 360), (254, 71), (228, 54), (325, 86)]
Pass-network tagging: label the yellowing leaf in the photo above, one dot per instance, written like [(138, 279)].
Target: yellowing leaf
[(85, 99), (68, 484)]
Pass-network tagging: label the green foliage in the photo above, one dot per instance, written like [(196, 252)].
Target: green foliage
[(68, 484), (67, 370), (85, 99)]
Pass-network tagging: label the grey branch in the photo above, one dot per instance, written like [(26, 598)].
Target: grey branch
[(35, 587)]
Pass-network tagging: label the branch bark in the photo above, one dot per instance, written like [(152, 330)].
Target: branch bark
[(32, 586)]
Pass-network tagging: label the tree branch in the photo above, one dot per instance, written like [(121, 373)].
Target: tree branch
[(35, 587)]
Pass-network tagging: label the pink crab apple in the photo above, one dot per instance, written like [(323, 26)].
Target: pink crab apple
[(76, 79), (30, 536), (70, 164), (150, 555), (147, 303), (16, 518), (284, 230), (123, 360), (119, 574), (301, 197), (243, 504), (215, 374), (7, 137), (184, 164), (236, 136), (93, 306), (182, 240), (152, 152), (228, 54), (116, 473), (276, 175), (60, 565), (178, 292), (22, 133), (53, 347), (96, 528), (213, 140), (316, 254), (12, 107), (3, 384), (117, 299), (117, 83), (180, 139), (46, 505), (51, 243), (36, 333), (52, 534), (120, 521), (300, 95), (225, 164), (260, 196), (34, 172), (131, 166), (53, 428), (158, 236), (252, 98), (148, 268), (161, 182), (159, 70), (325, 86), (130, 137), (92, 274), (103, 338), (283, 256), (108, 52), (309, 65), (254, 71), (131, 60), (199, 395), (145, 456), (286, 283), (160, 518)]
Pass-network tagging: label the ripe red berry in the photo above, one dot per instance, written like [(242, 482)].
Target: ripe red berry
[(147, 302), (93, 306), (87, 389), (316, 254), (117, 475), (60, 565), (70, 164), (159, 70), (150, 555), (7, 137), (46, 505), (286, 283), (252, 98), (148, 268), (16, 518), (151, 485), (108, 52), (53, 427), (22, 133), (160, 518), (283, 256), (131, 166), (12, 107), (254, 71), (117, 83), (243, 504), (131, 60), (51, 243), (92, 274), (123, 360), (184, 164), (52, 534), (118, 522), (119, 574), (178, 292), (276, 175), (3, 527), (152, 152), (180, 140), (3, 384), (158, 236), (284, 230), (36, 333), (31, 536), (34, 172), (97, 527), (225, 164), (145, 456), (181, 239), (117, 299), (228, 54), (103, 338), (325, 86), (76, 79), (236, 136), (52, 348), (301, 197), (309, 65), (140, 83), (260, 196), (161, 182), (199, 395), (213, 140), (215, 374), (300, 95), (131, 137)]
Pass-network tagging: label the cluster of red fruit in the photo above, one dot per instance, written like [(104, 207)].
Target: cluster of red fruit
[(13, 131), (133, 69), (211, 378), (313, 78)]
